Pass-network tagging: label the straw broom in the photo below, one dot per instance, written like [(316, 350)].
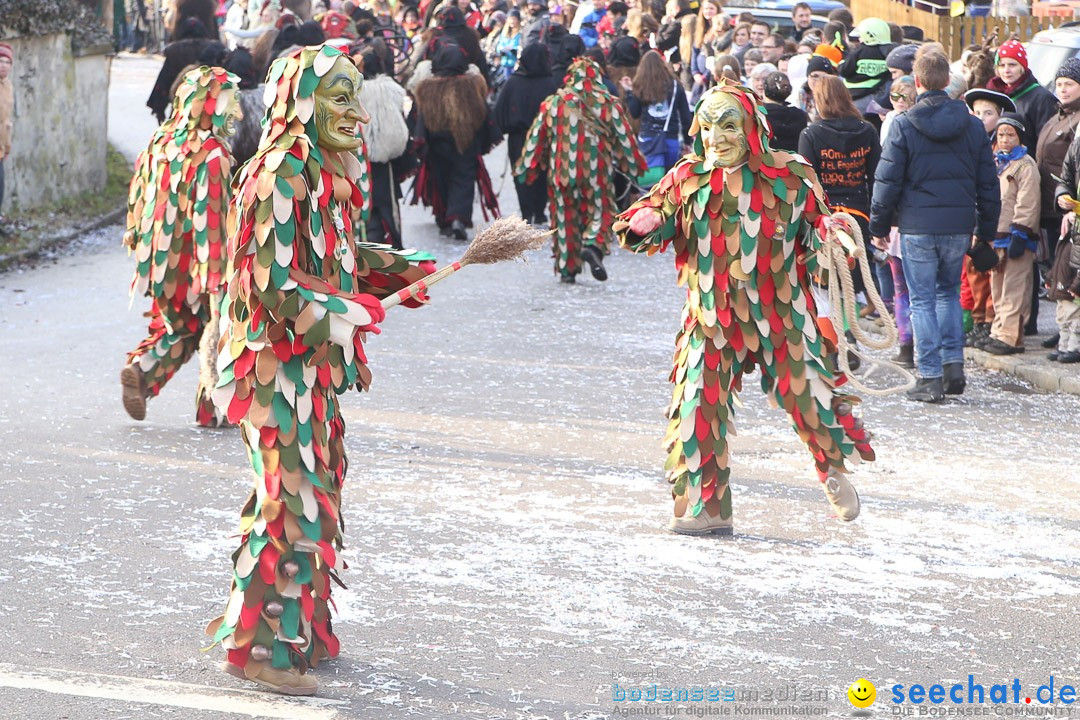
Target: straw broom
[(505, 239)]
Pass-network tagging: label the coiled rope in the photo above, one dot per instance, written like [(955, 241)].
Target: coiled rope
[(843, 309)]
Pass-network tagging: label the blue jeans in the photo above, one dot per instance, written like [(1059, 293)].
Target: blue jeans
[(932, 267)]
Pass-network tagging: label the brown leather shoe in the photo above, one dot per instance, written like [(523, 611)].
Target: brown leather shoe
[(841, 495), (286, 682), (703, 524), (134, 385)]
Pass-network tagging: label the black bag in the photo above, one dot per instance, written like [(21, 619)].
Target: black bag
[(984, 257)]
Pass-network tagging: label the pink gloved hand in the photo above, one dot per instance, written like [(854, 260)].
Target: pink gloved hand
[(645, 221)]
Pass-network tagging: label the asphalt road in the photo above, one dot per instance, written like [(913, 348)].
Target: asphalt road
[(505, 516)]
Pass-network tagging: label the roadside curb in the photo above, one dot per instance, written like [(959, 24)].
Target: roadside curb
[(50, 242), (1031, 366)]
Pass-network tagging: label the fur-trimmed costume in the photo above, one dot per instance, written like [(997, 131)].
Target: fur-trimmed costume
[(301, 298), (580, 138), (176, 230), (745, 239), (455, 130)]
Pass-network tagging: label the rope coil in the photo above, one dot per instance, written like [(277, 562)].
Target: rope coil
[(833, 256)]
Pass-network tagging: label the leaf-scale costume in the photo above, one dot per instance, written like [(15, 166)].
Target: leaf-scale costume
[(580, 138), (301, 296), (176, 230), (743, 219)]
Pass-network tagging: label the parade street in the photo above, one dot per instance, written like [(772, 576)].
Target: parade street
[(505, 514)]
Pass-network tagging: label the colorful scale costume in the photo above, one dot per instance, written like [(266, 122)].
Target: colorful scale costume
[(301, 296), (176, 230), (744, 239), (580, 137)]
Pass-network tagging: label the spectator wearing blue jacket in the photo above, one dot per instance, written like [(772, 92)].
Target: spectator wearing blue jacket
[(936, 181)]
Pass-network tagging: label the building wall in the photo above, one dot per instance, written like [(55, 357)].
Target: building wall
[(60, 139)]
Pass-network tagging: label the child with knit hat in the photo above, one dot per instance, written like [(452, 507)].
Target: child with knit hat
[(1015, 242)]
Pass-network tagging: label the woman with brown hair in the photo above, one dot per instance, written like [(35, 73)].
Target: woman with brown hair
[(844, 151), (740, 39), (658, 99)]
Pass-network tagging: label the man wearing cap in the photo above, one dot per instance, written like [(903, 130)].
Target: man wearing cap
[(864, 69), (7, 110), (936, 181), (900, 60), (538, 23)]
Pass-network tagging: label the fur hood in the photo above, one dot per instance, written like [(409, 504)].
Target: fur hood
[(454, 105), (387, 135)]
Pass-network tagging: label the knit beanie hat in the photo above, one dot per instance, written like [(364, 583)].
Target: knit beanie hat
[(831, 52), (902, 57), (818, 63), (1013, 50), (1070, 69), (1015, 121)]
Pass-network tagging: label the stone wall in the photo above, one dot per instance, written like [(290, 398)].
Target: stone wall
[(60, 139)]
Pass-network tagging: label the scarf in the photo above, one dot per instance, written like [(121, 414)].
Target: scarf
[(1003, 159), (1024, 85)]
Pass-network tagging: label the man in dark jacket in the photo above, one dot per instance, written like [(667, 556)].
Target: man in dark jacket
[(936, 181)]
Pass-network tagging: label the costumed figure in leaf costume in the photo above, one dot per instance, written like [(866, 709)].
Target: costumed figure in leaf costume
[(580, 138), (177, 203), (301, 297), (744, 221)]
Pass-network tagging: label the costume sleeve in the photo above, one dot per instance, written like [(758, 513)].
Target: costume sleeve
[(534, 156), (628, 157), (665, 199), (382, 272)]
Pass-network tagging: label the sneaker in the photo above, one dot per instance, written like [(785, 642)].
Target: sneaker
[(134, 391), (927, 390), (1054, 356), (595, 259), (457, 231), (444, 231), (286, 682), (703, 524), (1052, 341), (841, 495), (996, 347), (905, 356), (568, 279), (1068, 358), (954, 381)]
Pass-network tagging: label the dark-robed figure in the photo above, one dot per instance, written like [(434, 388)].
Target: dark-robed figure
[(515, 109), (452, 29), (192, 37), (455, 130)]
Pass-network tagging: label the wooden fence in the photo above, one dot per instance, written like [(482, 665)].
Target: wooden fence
[(955, 33)]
